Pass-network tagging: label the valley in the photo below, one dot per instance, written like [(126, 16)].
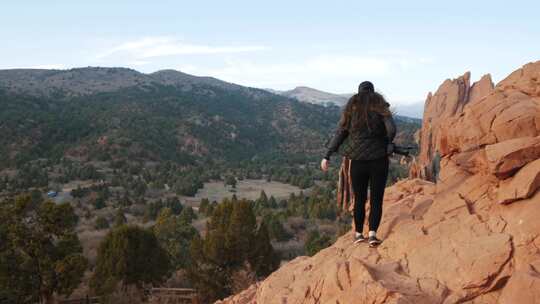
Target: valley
[(124, 149)]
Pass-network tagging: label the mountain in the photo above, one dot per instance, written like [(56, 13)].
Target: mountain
[(118, 113), (307, 94), (472, 236), (93, 80), (166, 115)]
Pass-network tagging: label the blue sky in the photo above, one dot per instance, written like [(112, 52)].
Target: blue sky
[(406, 48)]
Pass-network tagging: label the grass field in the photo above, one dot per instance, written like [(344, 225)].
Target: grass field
[(248, 188)]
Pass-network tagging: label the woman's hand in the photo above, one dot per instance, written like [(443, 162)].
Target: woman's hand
[(324, 164)]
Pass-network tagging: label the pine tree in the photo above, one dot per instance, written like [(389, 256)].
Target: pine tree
[(230, 235), (175, 235), (131, 256), (272, 203), (241, 231), (99, 203), (203, 206), (230, 180), (119, 218), (187, 215), (263, 199), (315, 242), (276, 229), (263, 258), (40, 252)]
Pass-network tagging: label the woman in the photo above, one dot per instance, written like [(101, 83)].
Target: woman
[(368, 122)]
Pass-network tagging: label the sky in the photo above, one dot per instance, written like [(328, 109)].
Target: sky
[(406, 48)]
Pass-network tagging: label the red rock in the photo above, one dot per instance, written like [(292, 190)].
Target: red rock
[(447, 102), (452, 175), (525, 79), (522, 185), (523, 287), (481, 89), (505, 158)]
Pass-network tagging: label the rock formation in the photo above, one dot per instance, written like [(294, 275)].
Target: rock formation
[(471, 237), (447, 102)]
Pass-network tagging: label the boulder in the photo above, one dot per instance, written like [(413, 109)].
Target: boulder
[(522, 185), (506, 157)]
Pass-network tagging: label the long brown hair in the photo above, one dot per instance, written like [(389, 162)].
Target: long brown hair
[(355, 113)]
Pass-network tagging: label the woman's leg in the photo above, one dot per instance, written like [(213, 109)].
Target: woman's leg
[(378, 176), (360, 181)]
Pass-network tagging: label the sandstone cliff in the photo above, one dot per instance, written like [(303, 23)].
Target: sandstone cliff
[(471, 237)]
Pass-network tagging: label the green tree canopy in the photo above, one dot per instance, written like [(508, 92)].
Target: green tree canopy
[(230, 180), (174, 234), (264, 258), (130, 256), (232, 240), (315, 242), (119, 218), (187, 215), (40, 253)]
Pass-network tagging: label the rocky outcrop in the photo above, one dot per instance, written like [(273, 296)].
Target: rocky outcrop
[(447, 102), (471, 237)]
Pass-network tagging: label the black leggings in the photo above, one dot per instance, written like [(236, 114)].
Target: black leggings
[(374, 173)]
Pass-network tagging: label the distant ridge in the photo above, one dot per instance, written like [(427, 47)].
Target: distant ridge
[(311, 95), (92, 80)]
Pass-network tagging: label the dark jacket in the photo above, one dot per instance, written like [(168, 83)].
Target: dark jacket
[(371, 143)]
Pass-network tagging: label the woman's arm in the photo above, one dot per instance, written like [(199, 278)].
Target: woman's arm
[(337, 140), (390, 128)]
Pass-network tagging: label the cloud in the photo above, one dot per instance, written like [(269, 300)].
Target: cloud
[(310, 71), (338, 73), (150, 47)]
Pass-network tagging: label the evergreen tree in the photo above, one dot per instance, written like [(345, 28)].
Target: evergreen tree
[(276, 229), (315, 242), (203, 206), (119, 218), (230, 180), (99, 203), (211, 208), (263, 199), (272, 203), (174, 204), (264, 258), (125, 201), (130, 256), (241, 231), (3, 184), (187, 215), (40, 253), (231, 240), (175, 235)]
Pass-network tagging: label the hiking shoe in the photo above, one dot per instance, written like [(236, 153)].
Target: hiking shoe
[(359, 238), (374, 241)]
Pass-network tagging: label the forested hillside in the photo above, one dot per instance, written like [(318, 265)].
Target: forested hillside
[(121, 116)]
